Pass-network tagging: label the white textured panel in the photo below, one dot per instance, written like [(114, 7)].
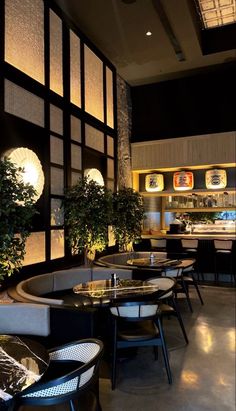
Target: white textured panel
[(75, 124), (93, 84), (110, 168), (76, 158), (110, 146), (56, 119), (57, 244), (109, 95), (23, 104), (75, 75), (56, 78), (56, 150), (94, 138), (57, 215), (24, 36), (35, 249), (75, 177), (57, 181), (204, 150)]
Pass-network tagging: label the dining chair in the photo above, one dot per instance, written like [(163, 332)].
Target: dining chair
[(167, 303), (184, 279), (191, 247), (223, 256), (136, 324), (72, 377)]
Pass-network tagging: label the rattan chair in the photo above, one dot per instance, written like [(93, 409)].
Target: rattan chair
[(72, 375), (137, 324)]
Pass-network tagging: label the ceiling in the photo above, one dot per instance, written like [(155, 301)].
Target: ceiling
[(118, 28)]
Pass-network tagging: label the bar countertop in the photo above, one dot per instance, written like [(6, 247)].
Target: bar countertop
[(230, 236)]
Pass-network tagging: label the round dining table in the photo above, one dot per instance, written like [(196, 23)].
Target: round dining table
[(153, 262), (22, 363)]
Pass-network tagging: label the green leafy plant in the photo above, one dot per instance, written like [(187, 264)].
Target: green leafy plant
[(16, 212), (87, 208), (127, 216)]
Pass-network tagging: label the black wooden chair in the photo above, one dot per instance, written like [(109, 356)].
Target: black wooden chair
[(168, 305), (72, 376), (137, 324)]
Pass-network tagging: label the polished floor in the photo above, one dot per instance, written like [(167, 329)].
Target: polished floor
[(203, 371)]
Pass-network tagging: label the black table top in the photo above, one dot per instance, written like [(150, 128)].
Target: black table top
[(22, 363), (125, 288)]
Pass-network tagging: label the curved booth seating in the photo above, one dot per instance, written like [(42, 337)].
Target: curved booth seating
[(35, 288)]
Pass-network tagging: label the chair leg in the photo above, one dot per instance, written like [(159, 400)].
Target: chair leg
[(176, 308), (155, 352), (72, 407), (114, 358), (184, 285), (198, 291), (164, 350)]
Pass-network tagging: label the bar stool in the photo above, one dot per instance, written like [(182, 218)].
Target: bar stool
[(190, 246), (158, 244), (223, 254)]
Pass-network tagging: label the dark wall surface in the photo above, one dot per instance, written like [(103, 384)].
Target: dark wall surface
[(203, 103)]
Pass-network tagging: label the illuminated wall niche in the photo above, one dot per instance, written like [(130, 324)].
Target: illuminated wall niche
[(58, 97)]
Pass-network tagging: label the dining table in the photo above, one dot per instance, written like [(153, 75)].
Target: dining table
[(22, 362), (154, 262), (105, 292)]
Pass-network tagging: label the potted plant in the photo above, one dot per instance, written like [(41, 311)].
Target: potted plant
[(16, 212), (87, 207), (127, 217)]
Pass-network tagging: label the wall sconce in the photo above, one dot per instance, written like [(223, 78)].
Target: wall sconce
[(33, 172), (154, 182), (95, 175), (183, 180), (216, 178)]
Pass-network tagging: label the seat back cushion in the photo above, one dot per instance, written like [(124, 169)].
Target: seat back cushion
[(65, 279), (25, 318)]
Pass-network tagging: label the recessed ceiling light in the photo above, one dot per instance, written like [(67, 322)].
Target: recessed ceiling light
[(148, 33)]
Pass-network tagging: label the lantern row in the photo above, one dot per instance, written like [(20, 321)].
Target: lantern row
[(184, 180)]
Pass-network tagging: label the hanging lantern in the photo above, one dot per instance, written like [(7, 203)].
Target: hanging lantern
[(154, 182), (216, 178), (183, 180)]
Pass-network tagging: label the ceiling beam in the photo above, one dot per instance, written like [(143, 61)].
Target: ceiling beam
[(157, 4)]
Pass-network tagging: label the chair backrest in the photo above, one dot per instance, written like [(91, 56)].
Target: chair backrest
[(68, 386), (158, 243), (135, 310), (165, 285), (189, 242), (223, 244), (25, 319)]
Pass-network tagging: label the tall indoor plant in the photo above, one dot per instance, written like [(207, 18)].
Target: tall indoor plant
[(87, 207), (16, 212), (127, 216)]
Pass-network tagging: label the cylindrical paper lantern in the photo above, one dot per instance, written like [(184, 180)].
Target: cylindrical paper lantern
[(154, 182), (216, 178), (183, 180)]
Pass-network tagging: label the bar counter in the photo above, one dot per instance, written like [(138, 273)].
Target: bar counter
[(230, 236)]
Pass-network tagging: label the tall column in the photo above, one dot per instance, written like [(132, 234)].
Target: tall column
[(124, 109)]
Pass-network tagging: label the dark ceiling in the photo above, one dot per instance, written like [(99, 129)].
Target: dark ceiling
[(175, 49)]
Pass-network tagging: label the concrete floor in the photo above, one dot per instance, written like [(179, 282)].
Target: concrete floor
[(203, 371)]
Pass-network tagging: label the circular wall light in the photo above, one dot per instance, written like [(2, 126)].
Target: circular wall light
[(33, 172), (95, 175)]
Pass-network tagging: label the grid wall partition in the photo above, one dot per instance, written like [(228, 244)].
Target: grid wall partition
[(59, 100)]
